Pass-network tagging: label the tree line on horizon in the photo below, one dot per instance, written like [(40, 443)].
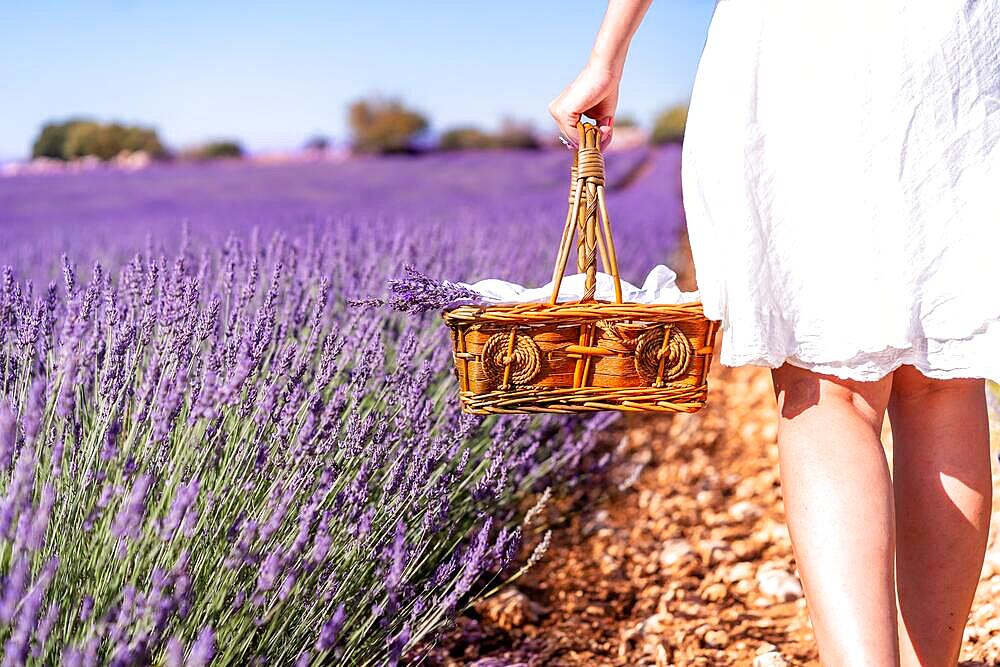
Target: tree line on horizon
[(377, 126), (388, 126), (76, 138)]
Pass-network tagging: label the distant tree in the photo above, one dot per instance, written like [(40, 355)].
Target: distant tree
[(102, 141), (214, 150), (669, 125), (512, 134), (77, 137), (465, 138), (317, 143), (515, 134), (384, 126), (146, 139), (81, 140), (52, 139)]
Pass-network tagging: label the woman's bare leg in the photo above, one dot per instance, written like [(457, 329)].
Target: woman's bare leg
[(943, 493), (839, 507)]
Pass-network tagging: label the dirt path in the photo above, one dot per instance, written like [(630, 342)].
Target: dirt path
[(689, 564), (684, 558)]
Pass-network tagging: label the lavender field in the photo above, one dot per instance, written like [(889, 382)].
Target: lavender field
[(210, 453)]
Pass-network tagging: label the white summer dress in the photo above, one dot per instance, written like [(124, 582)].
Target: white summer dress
[(841, 180)]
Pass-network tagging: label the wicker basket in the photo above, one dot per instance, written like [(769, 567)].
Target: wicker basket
[(585, 355)]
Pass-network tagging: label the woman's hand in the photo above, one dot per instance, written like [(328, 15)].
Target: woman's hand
[(595, 90), (594, 93)]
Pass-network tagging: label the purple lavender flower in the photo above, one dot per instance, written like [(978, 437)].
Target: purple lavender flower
[(18, 497), (473, 561), (322, 542), (287, 585), (270, 568), (69, 275), (182, 503), (67, 388), (174, 653), (397, 644), (110, 445), (15, 650), (58, 449), (40, 520), (203, 649), (44, 629), (128, 522), (86, 609), (32, 419), (17, 646), (397, 561), (331, 629), (168, 403), (8, 434), (13, 588), (417, 292)]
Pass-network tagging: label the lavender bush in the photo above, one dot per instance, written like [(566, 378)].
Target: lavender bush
[(208, 455)]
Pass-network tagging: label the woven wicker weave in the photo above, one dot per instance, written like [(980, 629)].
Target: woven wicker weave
[(586, 355)]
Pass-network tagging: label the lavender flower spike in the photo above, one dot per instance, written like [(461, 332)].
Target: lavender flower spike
[(203, 649)]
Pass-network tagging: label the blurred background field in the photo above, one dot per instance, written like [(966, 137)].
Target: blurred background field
[(474, 194)]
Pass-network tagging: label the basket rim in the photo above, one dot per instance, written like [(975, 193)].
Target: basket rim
[(590, 310)]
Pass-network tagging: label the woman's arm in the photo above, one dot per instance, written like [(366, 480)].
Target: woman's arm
[(594, 92)]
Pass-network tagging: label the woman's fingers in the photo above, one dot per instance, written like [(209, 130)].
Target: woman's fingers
[(594, 93), (566, 120), (606, 126)]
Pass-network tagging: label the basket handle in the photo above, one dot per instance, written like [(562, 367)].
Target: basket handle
[(586, 204)]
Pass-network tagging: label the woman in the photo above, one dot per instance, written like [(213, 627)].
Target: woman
[(841, 178)]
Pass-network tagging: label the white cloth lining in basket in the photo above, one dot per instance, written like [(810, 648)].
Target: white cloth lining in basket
[(660, 287)]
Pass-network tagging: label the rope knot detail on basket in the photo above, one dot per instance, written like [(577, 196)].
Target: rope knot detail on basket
[(588, 163), (520, 365), (663, 354), (591, 165)]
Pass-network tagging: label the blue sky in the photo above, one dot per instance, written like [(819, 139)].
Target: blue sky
[(273, 74)]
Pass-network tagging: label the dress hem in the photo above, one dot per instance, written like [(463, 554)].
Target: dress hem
[(855, 373)]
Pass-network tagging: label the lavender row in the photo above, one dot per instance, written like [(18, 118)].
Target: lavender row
[(503, 196), (208, 455)]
